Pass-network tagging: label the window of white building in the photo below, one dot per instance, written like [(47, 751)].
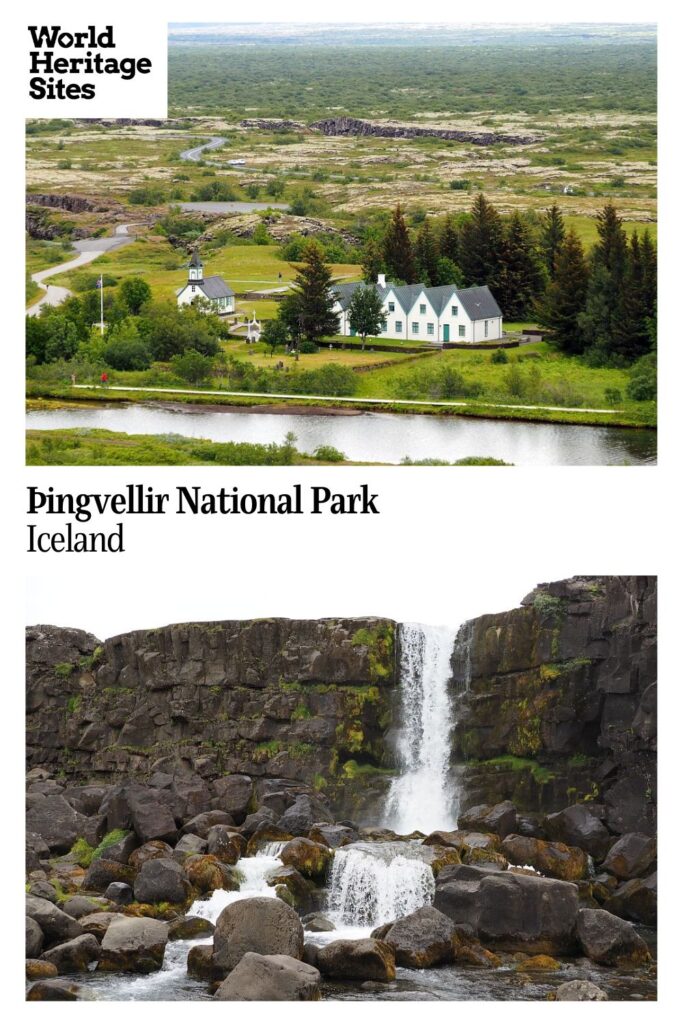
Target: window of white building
[(461, 331), (454, 310), (486, 328), (399, 327), (415, 327), (423, 309), (392, 307), (430, 329)]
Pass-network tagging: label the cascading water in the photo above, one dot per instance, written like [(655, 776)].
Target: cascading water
[(373, 883), (254, 872), (419, 798)]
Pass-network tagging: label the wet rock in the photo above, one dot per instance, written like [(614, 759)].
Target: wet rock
[(635, 900), (510, 912), (139, 807), (632, 855), (149, 851), (333, 836), (73, 957), (484, 858), (201, 824), (97, 924), (276, 977), (81, 906), (261, 817), (36, 969), (256, 925), (578, 826), (200, 962), (501, 818), (133, 944), (34, 938), (311, 859), (580, 992), (304, 813), (54, 923), (189, 928), (421, 939), (161, 879), (207, 873), (292, 887), (610, 941), (556, 860), (189, 845), (122, 849), (225, 844), (539, 963), (357, 960), (318, 923), (460, 838), (54, 989)]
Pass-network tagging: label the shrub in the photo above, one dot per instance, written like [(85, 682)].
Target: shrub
[(642, 384), (146, 195), (499, 356), (326, 453)]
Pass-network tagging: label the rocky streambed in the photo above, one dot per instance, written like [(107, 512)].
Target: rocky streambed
[(249, 889)]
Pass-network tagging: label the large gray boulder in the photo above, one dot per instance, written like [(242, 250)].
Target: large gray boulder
[(276, 978), (73, 957), (636, 900), (34, 938), (580, 992), (140, 808), (161, 880), (55, 990), (54, 923), (501, 819), (57, 823), (97, 924), (258, 925), (304, 813), (102, 872), (233, 794), (421, 939), (202, 823), (133, 944), (357, 960), (513, 912), (631, 856), (609, 941), (579, 826)]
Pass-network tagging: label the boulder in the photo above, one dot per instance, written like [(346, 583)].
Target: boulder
[(422, 939), (189, 928), (579, 826), (556, 860), (273, 978), (97, 924), (304, 813), (311, 859), (140, 808), (161, 880), (256, 925), (207, 873), (636, 900), (202, 823), (34, 938), (318, 923), (200, 963), (119, 893), (149, 851), (260, 817), (233, 794), (53, 989), (37, 850), (56, 822), (357, 960), (580, 992), (86, 800), (501, 819), (226, 844), (632, 855), (102, 873), (44, 890), (73, 957), (610, 941), (333, 836), (133, 944), (512, 912), (55, 925), (188, 845), (81, 906), (122, 848), (263, 835), (36, 969)]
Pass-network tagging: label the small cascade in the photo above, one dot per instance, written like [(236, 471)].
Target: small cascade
[(254, 872), (421, 798), (373, 883)]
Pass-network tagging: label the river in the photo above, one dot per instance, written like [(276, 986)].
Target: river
[(376, 437)]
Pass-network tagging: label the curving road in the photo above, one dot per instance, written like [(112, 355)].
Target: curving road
[(88, 249), (195, 154)]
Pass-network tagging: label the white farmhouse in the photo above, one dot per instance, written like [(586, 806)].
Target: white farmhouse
[(213, 289), (444, 314)]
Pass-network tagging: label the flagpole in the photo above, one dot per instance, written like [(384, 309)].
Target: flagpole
[(101, 306)]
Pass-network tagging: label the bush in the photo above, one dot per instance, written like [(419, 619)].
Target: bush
[(499, 356), (308, 348), (192, 366), (326, 453), (642, 384), (214, 192), (146, 195), (127, 354), (613, 396)]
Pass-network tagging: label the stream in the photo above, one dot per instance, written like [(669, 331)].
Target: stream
[(375, 437)]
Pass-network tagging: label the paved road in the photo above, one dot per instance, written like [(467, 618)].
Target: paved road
[(88, 249), (195, 154)]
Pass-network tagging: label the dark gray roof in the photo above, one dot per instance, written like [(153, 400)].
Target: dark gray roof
[(479, 303), (195, 261), (216, 288)]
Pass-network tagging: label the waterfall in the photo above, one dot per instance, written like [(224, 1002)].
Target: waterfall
[(254, 872), (373, 883), (421, 797)]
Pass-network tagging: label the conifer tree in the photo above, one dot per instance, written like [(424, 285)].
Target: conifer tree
[(648, 255), (311, 300), (481, 239), (565, 297), (606, 300), (398, 251), (551, 238), (521, 280), (372, 261), (449, 241), (426, 255)]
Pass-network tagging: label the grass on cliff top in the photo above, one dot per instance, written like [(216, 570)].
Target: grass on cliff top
[(508, 762)]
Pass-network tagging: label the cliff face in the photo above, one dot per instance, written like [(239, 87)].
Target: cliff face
[(305, 700), (558, 700)]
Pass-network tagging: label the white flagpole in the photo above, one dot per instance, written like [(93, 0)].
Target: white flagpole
[(101, 306)]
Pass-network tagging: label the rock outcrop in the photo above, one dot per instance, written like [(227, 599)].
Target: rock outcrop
[(354, 126)]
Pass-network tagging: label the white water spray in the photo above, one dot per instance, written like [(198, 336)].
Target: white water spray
[(254, 872), (373, 883), (420, 798)]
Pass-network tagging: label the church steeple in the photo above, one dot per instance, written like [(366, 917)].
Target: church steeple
[(196, 269)]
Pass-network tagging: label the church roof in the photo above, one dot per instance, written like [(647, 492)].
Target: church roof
[(195, 261), (216, 288)]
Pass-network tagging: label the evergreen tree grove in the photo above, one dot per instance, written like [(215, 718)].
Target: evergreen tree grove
[(398, 250), (551, 238), (521, 280), (480, 245), (565, 297)]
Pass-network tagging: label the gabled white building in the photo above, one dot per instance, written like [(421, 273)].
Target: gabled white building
[(213, 289), (444, 314)]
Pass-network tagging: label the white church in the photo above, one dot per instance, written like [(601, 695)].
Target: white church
[(214, 289), (443, 314)]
